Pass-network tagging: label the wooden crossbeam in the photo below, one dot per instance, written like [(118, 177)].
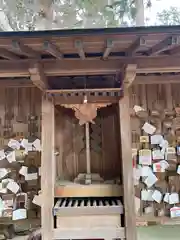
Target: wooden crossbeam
[(59, 100), (164, 45), (54, 67), (129, 75), (108, 49), (16, 83), (94, 90), (79, 46), (157, 79), (24, 50), (139, 79), (140, 41), (8, 55), (38, 77), (52, 49)]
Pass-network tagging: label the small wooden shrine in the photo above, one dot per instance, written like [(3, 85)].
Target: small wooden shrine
[(83, 86)]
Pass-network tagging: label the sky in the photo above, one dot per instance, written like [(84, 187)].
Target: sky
[(158, 6)]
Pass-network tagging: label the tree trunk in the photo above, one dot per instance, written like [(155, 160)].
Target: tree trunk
[(46, 20), (140, 13)]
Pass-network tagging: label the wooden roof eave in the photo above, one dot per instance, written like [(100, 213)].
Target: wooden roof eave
[(152, 50)]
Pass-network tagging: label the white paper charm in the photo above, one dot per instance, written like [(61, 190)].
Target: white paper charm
[(29, 147), (173, 198), (145, 171), (164, 164), (148, 128), (158, 167), (138, 108), (156, 139), (13, 187), (164, 144), (14, 144), (157, 196), (24, 143), (11, 157), (31, 176), (157, 154), (150, 180), (3, 172), (39, 171), (170, 154), (19, 214), (146, 195), (2, 155), (178, 169), (175, 212), (37, 145), (166, 198), (37, 200), (145, 157), (23, 171)]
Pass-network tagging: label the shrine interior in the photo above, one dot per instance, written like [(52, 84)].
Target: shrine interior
[(103, 129)]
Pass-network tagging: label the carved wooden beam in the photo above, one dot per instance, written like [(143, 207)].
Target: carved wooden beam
[(24, 50), (38, 77), (79, 46), (52, 49), (164, 45), (108, 49), (140, 41), (8, 55), (129, 75)]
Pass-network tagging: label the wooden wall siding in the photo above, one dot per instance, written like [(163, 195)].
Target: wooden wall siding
[(16, 107), (71, 146), (152, 97)]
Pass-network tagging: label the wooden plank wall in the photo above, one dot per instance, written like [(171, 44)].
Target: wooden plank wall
[(152, 97), (17, 105), (104, 145)]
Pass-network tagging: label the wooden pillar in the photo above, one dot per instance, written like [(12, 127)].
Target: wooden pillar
[(127, 166), (47, 168)]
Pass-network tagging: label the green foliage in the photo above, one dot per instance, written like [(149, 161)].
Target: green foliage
[(28, 14), (170, 16)]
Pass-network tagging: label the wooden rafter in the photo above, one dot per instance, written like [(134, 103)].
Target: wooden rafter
[(24, 50), (8, 55), (38, 77), (79, 46), (140, 41), (164, 45), (129, 75), (52, 49), (108, 49)]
